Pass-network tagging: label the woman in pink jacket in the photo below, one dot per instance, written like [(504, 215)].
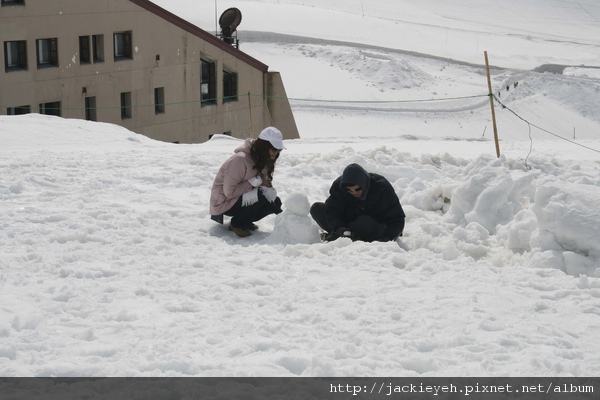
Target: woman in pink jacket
[(243, 186)]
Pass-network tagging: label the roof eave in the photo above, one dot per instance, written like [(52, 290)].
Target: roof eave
[(201, 33)]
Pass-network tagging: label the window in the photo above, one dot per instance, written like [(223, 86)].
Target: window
[(18, 110), (159, 100), (84, 50), (15, 55), (52, 108), (230, 92), (126, 105), (12, 2), (47, 52), (90, 109), (227, 133), (91, 50), (98, 48), (123, 46), (208, 87)]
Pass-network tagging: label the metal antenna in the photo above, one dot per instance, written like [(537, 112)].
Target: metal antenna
[(216, 23)]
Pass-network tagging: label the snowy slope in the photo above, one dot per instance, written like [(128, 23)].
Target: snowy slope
[(519, 34), (110, 265)]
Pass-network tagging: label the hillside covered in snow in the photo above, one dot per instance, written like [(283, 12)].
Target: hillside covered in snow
[(111, 266)]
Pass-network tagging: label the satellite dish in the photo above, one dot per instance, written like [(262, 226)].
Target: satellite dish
[(229, 21)]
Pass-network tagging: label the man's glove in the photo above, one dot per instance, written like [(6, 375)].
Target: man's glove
[(338, 233), (343, 232), (256, 181)]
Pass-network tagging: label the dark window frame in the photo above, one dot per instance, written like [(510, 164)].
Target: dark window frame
[(208, 84), (230, 86), (49, 60), (98, 48), (85, 50), (91, 49), (123, 45), (21, 55), (126, 106), (51, 108), (159, 100), (12, 3), (20, 110), (91, 109)]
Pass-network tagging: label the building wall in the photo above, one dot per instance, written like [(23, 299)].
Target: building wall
[(165, 55), (277, 104)]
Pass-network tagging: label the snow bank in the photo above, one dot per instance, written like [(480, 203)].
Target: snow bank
[(30, 132), (568, 223), (555, 222)]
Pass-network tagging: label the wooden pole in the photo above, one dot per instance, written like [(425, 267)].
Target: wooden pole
[(489, 80)]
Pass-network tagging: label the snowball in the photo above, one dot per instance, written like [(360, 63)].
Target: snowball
[(297, 204), (16, 188)]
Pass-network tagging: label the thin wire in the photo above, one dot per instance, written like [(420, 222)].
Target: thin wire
[(362, 102), (530, 147), (542, 129), (376, 101), (214, 100)]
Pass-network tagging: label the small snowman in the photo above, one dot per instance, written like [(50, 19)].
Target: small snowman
[(294, 225)]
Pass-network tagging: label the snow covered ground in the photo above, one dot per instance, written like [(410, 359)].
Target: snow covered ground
[(111, 266)]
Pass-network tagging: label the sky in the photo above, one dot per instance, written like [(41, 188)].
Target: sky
[(111, 266)]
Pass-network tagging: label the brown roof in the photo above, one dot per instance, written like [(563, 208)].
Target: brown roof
[(202, 34)]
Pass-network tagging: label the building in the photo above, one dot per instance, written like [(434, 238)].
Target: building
[(132, 63)]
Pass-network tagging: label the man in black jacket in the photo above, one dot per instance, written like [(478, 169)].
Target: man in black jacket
[(361, 206)]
